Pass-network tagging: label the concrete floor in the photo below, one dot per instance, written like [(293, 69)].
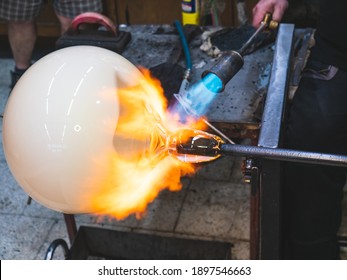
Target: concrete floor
[(213, 205)]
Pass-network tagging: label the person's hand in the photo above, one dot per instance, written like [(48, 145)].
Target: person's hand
[(275, 7)]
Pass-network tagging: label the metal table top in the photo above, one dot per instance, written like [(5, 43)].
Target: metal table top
[(241, 102)]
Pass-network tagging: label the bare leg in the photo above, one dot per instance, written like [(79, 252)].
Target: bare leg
[(22, 38)]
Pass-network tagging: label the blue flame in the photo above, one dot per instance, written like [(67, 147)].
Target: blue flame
[(194, 101)]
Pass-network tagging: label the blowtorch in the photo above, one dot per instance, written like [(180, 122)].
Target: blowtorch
[(231, 62), (189, 145), (193, 101)]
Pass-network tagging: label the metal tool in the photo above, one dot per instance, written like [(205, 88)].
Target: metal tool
[(267, 23), (221, 73), (210, 147), (231, 61)]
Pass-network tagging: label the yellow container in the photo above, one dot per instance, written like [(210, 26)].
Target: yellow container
[(190, 12)]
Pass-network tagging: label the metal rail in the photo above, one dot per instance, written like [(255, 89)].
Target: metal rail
[(284, 155), (277, 91)]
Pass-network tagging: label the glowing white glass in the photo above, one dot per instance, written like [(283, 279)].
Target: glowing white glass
[(60, 122)]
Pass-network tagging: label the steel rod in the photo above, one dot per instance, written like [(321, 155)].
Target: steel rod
[(284, 155)]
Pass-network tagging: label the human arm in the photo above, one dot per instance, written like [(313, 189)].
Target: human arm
[(275, 7)]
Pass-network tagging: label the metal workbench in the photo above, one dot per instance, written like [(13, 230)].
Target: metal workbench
[(235, 111), (251, 106)]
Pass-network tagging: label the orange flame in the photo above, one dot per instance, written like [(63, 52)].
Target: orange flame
[(139, 168)]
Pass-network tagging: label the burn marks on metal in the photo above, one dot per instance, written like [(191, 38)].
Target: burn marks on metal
[(234, 38), (149, 48), (239, 101)]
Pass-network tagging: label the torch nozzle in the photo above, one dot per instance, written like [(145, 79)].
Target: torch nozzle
[(194, 100), (231, 61), (227, 67)]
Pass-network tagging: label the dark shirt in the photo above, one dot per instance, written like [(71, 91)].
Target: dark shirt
[(331, 34)]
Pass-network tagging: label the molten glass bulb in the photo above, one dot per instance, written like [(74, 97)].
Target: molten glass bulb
[(194, 146), (60, 121), (83, 132)]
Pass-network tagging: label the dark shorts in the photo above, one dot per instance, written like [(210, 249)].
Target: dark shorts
[(27, 10)]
